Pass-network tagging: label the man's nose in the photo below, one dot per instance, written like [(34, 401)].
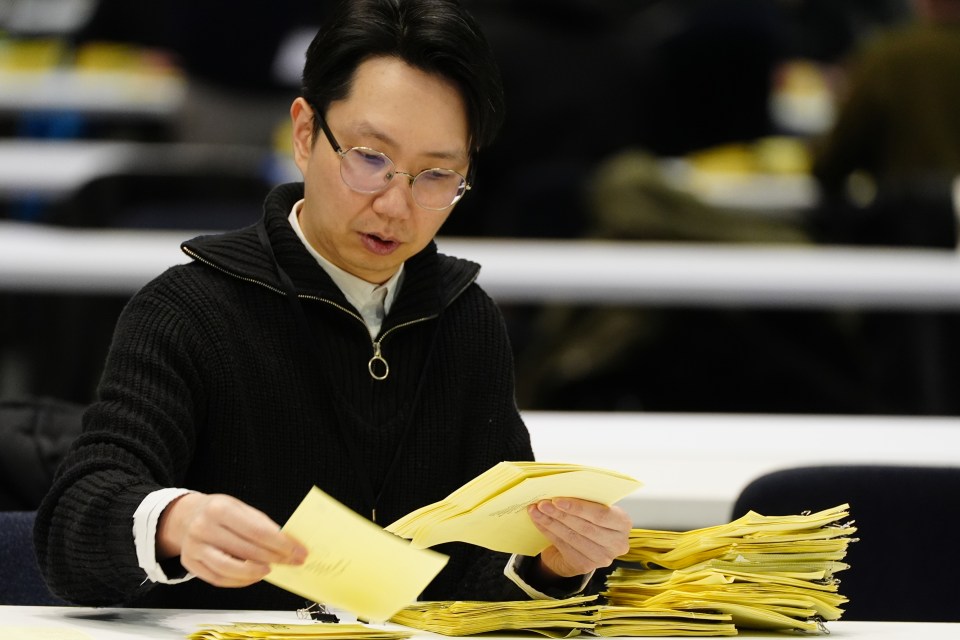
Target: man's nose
[(397, 199)]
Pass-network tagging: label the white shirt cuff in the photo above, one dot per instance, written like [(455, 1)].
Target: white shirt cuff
[(512, 571), (145, 520)]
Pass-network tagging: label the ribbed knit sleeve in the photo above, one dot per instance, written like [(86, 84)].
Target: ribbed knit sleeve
[(137, 438)]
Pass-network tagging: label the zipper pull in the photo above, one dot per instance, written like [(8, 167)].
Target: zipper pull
[(377, 366)]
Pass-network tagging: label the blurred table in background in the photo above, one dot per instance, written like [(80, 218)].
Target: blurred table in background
[(693, 466), (44, 258), (110, 84), (50, 170), (777, 193), (114, 94), (771, 174)]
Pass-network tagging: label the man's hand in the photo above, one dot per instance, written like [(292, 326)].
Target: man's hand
[(585, 535), (224, 541)]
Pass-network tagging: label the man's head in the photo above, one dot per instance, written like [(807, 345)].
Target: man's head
[(398, 95), (435, 36)]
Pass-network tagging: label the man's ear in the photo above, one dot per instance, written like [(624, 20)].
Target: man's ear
[(301, 119)]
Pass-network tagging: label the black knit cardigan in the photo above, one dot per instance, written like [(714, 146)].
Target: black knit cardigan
[(210, 384)]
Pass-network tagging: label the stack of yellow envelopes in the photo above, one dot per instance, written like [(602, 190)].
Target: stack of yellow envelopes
[(757, 572), (653, 621), (308, 631), (491, 510), (552, 618)]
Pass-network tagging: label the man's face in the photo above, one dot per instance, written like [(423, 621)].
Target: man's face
[(420, 122)]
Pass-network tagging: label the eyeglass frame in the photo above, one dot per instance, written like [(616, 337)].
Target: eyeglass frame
[(341, 152)]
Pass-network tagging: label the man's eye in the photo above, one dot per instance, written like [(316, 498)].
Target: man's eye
[(371, 158), (439, 175)]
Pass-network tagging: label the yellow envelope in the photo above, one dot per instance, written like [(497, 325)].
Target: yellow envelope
[(309, 631), (501, 523), (352, 563)]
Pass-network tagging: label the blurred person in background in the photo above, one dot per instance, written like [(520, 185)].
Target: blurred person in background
[(887, 166)]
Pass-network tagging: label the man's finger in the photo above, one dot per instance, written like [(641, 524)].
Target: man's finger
[(613, 517)]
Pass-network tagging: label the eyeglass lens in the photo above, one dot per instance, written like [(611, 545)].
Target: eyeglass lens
[(369, 171)]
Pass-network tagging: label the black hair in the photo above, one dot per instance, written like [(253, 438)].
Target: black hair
[(435, 36)]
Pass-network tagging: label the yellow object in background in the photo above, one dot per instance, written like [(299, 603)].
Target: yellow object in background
[(778, 155), (107, 56), (31, 55)]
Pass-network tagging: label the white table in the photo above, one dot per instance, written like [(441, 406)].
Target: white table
[(46, 259), (159, 624), (50, 170), (114, 94), (62, 17), (53, 165), (693, 466), (712, 275)]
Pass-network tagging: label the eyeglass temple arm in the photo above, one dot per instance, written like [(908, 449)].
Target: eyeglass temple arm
[(472, 171), (322, 124)]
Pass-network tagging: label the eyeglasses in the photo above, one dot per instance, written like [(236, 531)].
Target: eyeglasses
[(367, 170)]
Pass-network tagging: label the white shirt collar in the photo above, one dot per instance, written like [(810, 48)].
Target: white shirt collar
[(373, 301)]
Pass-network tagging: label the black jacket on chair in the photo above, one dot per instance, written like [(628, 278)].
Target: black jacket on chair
[(36, 433)]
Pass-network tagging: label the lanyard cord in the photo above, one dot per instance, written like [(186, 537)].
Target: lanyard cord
[(291, 292)]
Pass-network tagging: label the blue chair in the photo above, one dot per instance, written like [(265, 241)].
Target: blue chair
[(21, 582), (907, 518)]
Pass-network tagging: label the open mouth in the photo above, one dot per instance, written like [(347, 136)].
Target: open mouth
[(378, 245)]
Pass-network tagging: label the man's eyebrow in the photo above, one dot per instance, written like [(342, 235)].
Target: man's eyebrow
[(367, 129)]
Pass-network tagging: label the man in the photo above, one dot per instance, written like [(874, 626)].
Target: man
[(330, 344)]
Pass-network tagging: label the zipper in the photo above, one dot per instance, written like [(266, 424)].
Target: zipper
[(377, 366), (196, 257)]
